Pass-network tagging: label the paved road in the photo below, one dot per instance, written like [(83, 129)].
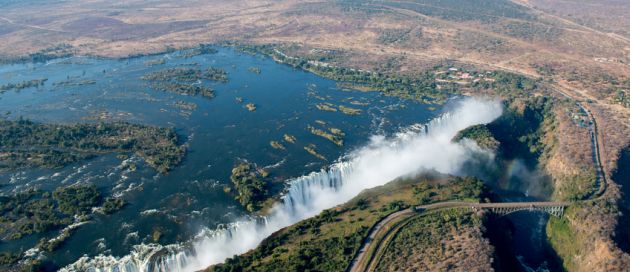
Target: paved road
[(600, 178), (361, 261), (360, 257)]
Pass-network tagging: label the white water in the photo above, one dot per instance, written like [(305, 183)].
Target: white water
[(381, 161)]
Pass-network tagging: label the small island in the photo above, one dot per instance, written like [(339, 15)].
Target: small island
[(23, 85), (254, 70), (289, 138), (336, 137), (180, 80), (311, 150), (277, 145), (252, 187), (250, 106)]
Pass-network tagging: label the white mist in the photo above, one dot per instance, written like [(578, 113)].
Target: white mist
[(381, 161)]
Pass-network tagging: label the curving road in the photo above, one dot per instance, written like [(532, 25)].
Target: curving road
[(380, 234), (364, 258), (358, 262)]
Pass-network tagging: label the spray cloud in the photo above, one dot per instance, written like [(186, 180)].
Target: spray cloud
[(382, 160)]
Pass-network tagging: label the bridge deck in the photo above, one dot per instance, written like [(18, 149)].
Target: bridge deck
[(452, 204)]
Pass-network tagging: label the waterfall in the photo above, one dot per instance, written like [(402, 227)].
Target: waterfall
[(410, 151)]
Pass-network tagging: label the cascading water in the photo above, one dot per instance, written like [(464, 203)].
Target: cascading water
[(411, 151)]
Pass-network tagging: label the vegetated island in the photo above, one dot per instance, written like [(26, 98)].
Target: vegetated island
[(311, 149), (40, 212), (23, 85), (289, 138), (277, 145), (326, 106), (251, 185), (335, 135), (254, 70), (250, 106), (24, 143), (177, 80), (70, 82)]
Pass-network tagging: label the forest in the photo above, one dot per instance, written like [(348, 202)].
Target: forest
[(252, 188), (39, 212), (24, 143), (178, 80)]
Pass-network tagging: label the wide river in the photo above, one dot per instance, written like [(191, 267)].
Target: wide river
[(219, 132)]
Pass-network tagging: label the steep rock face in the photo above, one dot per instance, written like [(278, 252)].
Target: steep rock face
[(584, 238), (569, 156)]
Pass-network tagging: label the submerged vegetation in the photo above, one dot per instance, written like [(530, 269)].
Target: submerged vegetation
[(27, 144), (155, 62), (23, 85)]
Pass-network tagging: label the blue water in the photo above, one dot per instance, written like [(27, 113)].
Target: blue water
[(219, 134)]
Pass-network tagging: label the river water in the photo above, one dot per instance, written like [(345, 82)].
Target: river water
[(220, 132)]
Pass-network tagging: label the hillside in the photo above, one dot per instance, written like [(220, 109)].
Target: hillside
[(328, 241)]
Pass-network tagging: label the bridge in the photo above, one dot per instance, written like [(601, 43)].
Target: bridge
[(382, 232), (385, 229), (553, 208)]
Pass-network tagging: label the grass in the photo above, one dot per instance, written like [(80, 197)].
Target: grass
[(434, 241), (563, 239), (480, 134), (328, 241)]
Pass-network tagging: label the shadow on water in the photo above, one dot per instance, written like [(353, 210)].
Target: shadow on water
[(622, 177), (520, 238), (521, 243)]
